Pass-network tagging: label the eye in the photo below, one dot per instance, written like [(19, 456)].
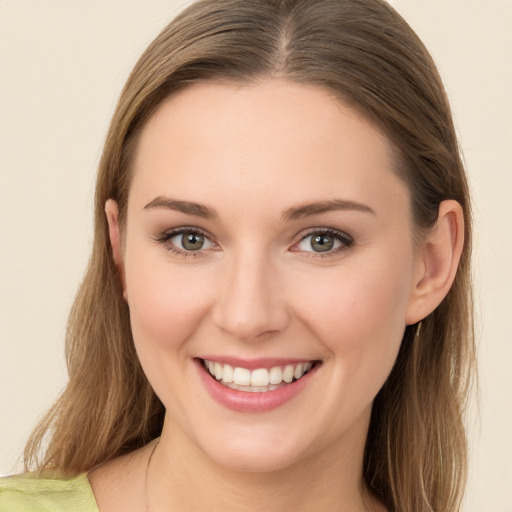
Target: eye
[(186, 241), (324, 241), (190, 241)]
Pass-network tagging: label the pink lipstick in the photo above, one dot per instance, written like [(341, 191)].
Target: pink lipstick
[(255, 386)]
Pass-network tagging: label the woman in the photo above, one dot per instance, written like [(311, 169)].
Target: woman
[(277, 310)]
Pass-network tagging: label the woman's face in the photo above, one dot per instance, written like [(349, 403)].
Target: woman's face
[(265, 229)]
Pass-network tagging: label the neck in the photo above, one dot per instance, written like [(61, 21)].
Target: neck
[(181, 477)]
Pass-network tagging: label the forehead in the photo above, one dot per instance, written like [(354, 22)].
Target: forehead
[(274, 142)]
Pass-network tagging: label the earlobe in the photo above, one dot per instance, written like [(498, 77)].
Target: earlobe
[(112, 213), (438, 260)]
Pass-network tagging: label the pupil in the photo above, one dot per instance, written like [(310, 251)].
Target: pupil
[(193, 241), (322, 243)]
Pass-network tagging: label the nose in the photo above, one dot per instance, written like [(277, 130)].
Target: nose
[(251, 304)]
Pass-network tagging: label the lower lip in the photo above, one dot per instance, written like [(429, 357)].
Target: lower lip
[(244, 401)]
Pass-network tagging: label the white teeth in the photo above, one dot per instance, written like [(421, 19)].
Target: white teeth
[(228, 373), (260, 377), (276, 375), (242, 376), (258, 380), (288, 373), (252, 389)]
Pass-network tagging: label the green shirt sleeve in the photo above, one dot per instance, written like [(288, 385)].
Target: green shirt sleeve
[(33, 492)]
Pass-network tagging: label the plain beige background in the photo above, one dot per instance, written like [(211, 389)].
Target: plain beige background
[(62, 65)]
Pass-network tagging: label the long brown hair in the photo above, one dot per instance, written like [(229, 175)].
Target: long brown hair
[(366, 54)]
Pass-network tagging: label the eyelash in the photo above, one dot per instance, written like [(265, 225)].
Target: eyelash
[(345, 240), (165, 239)]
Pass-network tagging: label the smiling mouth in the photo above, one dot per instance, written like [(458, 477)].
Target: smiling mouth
[(259, 380)]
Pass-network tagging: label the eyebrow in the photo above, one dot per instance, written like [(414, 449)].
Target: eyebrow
[(187, 207), (307, 210), (294, 213)]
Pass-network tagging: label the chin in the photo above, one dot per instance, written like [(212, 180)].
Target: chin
[(254, 461), (254, 453)]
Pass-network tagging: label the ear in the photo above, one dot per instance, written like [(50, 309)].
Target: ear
[(112, 213), (437, 262)]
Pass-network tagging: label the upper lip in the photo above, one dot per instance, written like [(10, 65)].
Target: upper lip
[(254, 364)]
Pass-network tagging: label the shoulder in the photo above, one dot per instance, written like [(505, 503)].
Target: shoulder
[(35, 492)]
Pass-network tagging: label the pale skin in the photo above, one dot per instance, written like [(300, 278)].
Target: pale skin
[(253, 160)]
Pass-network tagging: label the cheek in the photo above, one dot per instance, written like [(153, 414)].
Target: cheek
[(167, 305), (166, 301), (359, 318), (358, 311)]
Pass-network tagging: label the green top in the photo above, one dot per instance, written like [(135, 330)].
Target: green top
[(33, 492)]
